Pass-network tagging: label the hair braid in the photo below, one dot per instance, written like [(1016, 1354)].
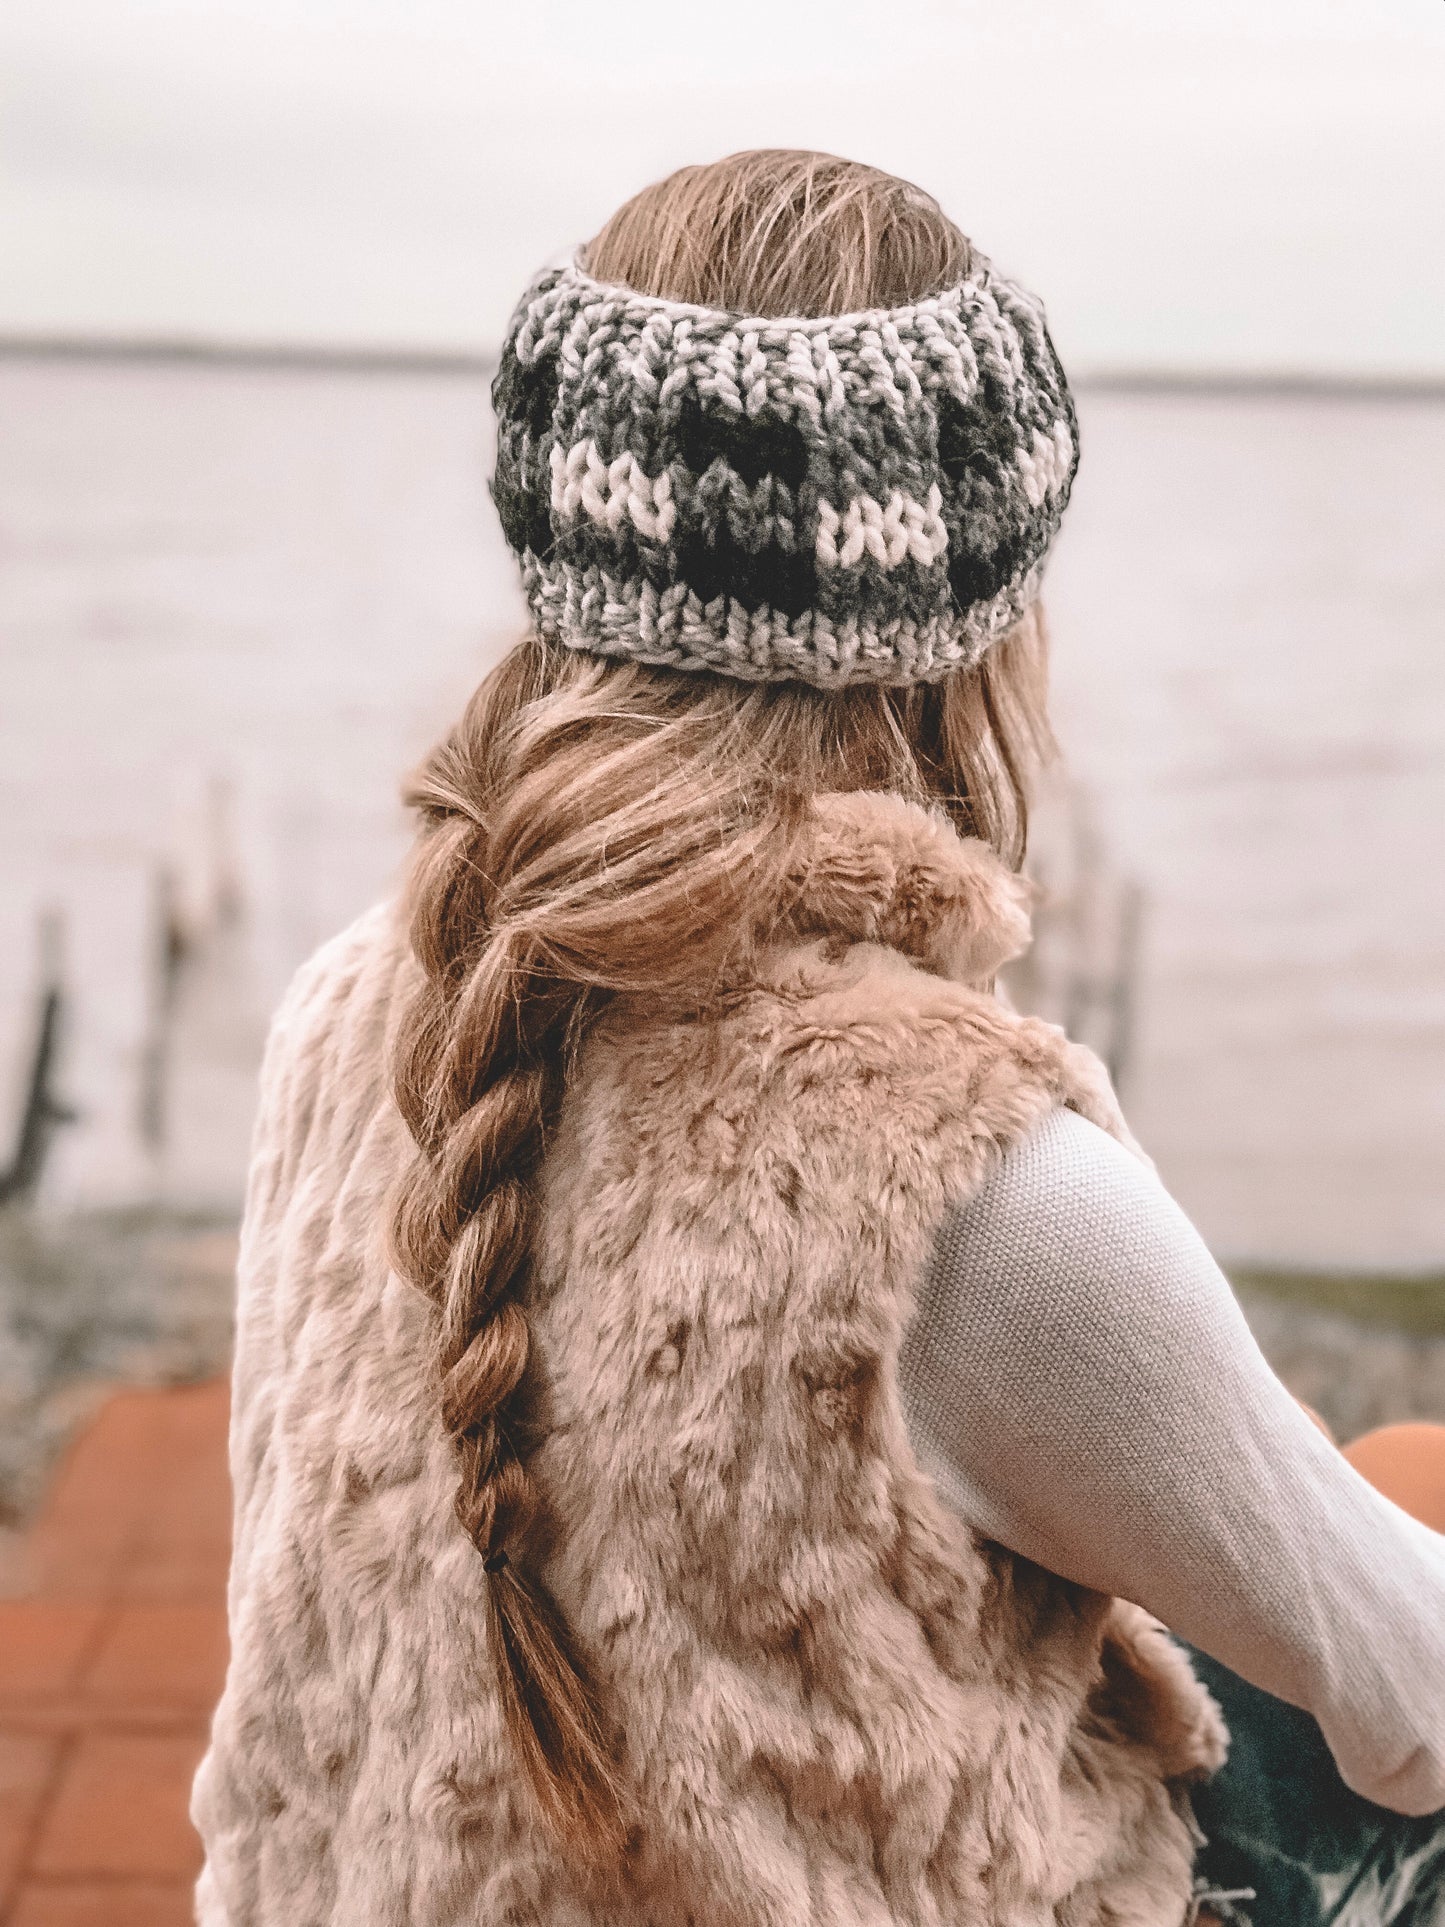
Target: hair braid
[(479, 1083), (554, 855)]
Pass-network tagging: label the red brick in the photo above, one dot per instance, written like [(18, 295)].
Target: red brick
[(27, 1774), (182, 1549), (154, 1658), (192, 1572), (44, 1643), (120, 1810), (97, 1502), (140, 1505), (103, 1904)]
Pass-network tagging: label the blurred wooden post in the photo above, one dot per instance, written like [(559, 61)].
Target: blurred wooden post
[(1084, 968), (42, 1112)]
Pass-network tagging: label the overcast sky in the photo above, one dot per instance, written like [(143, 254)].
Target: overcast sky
[(1235, 184)]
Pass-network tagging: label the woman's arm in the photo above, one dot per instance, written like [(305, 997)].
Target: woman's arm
[(1083, 1386)]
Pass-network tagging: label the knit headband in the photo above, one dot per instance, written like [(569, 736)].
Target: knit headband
[(865, 497)]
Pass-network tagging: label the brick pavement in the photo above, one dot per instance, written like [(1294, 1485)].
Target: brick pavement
[(112, 1651)]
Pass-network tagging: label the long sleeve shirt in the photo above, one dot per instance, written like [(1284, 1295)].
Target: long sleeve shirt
[(1082, 1385)]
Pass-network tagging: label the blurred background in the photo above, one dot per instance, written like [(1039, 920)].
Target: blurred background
[(255, 262)]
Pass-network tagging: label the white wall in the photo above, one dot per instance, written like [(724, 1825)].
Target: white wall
[(1244, 185)]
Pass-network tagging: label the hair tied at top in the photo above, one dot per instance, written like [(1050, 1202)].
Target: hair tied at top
[(495, 1562)]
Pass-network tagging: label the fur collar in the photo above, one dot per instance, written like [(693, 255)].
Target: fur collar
[(876, 868)]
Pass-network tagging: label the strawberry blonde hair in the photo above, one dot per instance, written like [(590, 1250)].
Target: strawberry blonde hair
[(593, 827)]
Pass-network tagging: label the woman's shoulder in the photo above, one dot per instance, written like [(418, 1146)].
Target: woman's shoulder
[(940, 1055), (856, 1062), (358, 967), (326, 1069)]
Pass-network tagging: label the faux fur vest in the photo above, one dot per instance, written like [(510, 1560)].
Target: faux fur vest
[(839, 1708)]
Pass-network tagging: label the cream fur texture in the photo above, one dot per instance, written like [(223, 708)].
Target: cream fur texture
[(836, 1707)]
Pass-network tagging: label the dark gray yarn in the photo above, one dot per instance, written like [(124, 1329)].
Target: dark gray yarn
[(864, 497)]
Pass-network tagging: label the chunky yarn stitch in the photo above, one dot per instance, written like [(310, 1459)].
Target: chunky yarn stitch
[(865, 497)]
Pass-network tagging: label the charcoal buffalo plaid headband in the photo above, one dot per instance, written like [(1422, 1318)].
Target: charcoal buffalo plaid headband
[(865, 497)]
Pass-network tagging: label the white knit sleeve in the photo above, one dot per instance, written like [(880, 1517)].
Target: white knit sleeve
[(1082, 1385)]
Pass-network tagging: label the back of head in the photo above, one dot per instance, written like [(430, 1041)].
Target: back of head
[(602, 823), (779, 231)]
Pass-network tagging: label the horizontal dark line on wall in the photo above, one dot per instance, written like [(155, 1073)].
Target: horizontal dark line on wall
[(248, 354), (474, 362), (1235, 383)]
